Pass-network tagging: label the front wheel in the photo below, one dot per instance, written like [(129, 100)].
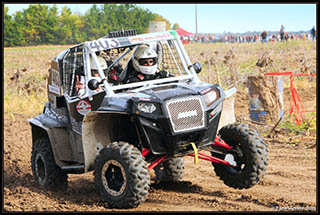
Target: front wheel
[(249, 155), (121, 175)]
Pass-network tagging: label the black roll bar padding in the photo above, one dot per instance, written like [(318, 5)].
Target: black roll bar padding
[(122, 33)]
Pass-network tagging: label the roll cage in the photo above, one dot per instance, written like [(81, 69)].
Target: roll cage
[(76, 60)]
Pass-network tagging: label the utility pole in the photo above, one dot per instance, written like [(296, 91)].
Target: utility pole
[(196, 20)]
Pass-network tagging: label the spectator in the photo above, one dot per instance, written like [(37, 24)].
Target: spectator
[(304, 36), (286, 37), (206, 39), (264, 37), (282, 33), (233, 38), (313, 33), (202, 39), (212, 38)]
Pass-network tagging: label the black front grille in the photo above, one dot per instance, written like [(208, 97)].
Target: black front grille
[(186, 114)]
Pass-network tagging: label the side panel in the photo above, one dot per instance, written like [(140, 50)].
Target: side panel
[(61, 146), (54, 87), (80, 107)]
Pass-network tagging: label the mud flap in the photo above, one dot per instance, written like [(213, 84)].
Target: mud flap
[(227, 114), (97, 127)]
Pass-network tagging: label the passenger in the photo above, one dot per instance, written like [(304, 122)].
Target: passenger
[(80, 85), (80, 80), (94, 68)]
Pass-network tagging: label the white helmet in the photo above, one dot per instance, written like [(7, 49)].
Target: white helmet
[(142, 53), (101, 61)]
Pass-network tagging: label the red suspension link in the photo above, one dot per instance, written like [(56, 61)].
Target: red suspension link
[(145, 152), (156, 162), (212, 159), (220, 143)]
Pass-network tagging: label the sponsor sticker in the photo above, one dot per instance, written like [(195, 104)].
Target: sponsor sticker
[(136, 39), (124, 41), (187, 114), (83, 107), (54, 89), (144, 99), (55, 80), (150, 37), (110, 43)]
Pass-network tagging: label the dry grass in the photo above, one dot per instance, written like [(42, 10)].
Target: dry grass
[(25, 74), (292, 56), (227, 64)]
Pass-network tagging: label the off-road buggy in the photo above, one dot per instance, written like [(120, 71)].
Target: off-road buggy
[(125, 130)]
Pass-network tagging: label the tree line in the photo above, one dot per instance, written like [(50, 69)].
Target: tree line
[(40, 24)]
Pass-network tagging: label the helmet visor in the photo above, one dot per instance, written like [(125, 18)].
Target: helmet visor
[(147, 61)]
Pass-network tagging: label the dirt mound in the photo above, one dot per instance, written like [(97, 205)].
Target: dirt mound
[(265, 60), (264, 96)]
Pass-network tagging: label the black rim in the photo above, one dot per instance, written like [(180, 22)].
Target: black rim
[(113, 177)]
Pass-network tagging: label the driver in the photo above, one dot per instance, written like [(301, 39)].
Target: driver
[(144, 66)]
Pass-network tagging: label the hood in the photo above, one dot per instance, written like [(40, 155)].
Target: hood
[(170, 91)]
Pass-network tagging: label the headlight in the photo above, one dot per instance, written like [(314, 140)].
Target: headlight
[(146, 107), (210, 96)]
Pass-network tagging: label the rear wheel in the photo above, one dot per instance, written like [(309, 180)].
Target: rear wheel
[(121, 175), (249, 154), (170, 170), (46, 172)]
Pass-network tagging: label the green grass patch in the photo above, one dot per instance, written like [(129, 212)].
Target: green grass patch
[(308, 125)]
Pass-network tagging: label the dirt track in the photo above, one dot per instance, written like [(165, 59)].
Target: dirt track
[(289, 183)]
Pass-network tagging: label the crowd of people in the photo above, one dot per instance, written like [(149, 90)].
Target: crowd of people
[(263, 37)]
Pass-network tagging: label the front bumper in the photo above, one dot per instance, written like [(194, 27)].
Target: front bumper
[(161, 139)]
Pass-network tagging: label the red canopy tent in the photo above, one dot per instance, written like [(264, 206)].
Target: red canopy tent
[(184, 33)]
